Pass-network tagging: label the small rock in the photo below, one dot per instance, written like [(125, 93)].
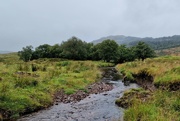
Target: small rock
[(105, 94), (71, 112)]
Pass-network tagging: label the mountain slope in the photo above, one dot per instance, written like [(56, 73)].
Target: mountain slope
[(155, 43), (120, 39)]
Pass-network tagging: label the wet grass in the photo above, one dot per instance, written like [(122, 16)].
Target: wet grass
[(165, 70), (26, 87), (162, 106), (164, 103)]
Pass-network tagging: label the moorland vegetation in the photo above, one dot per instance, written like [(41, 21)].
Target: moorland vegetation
[(29, 84), (161, 103)]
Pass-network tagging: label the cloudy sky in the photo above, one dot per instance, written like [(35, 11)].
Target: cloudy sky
[(36, 22)]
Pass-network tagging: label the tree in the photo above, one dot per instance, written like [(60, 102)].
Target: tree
[(131, 55), (123, 53), (89, 47), (55, 51), (108, 50), (95, 52), (26, 53), (42, 51), (74, 48), (143, 51)]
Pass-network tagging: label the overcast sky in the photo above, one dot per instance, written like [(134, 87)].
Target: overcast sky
[(36, 22)]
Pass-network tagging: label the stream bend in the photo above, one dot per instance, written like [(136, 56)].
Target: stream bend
[(95, 107)]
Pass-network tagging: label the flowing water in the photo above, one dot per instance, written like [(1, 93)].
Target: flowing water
[(95, 107)]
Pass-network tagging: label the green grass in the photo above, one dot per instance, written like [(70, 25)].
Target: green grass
[(164, 103), (165, 70), (163, 106), (25, 87), (104, 64)]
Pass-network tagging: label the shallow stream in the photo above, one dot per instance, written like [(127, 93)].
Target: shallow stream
[(95, 107)]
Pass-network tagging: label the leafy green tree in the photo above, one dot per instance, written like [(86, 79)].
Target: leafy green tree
[(89, 47), (55, 51), (143, 51), (108, 50), (123, 54), (26, 53), (95, 52), (131, 55), (42, 51), (74, 48)]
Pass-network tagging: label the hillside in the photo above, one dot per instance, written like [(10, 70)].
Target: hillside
[(120, 39), (155, 43), (170, 51)]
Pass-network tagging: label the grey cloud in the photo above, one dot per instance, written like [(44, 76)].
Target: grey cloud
[(35, 22)]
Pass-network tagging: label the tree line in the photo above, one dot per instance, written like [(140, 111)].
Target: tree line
[(76, 49)]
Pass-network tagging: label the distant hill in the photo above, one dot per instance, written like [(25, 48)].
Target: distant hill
[(4, 52), (120, 39), (155, 43)]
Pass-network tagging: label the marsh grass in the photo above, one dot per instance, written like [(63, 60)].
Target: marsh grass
[(164, 104), (165, 70), (29, 86)]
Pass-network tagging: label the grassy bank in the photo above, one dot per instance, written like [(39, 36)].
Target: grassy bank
[(165, 70), (26, 87), (163, 104)]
